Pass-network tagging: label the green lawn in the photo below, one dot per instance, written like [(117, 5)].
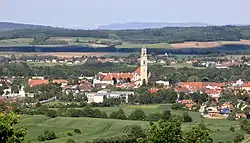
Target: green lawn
[(16, 42), (91, 128), (98, 128)]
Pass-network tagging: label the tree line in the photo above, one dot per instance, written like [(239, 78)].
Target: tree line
[(166, 34)]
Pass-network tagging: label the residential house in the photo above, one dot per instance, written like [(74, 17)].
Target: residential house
[(35, 82)]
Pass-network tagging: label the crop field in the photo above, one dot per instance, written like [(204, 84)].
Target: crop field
[(91, 128), (16, 42), (85, 41), (100, 128)]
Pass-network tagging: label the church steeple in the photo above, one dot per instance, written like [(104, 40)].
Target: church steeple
[(144, 65)]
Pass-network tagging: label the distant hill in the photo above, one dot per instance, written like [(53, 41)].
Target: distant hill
[(140, 25), (12, 26)]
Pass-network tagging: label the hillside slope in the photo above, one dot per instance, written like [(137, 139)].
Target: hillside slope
[(141, 25), (12, 26)]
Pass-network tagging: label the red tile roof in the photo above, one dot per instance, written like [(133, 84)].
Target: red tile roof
[(138, 71), (153, 90), (212, 92), (35, 82), (110, 76)]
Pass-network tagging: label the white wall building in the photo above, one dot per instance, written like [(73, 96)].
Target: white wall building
[(98, 97)]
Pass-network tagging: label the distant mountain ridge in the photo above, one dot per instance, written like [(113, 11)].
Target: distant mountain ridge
[(12, 26), (142, 25)]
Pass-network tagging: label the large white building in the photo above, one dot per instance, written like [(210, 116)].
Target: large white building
[(98, 97)]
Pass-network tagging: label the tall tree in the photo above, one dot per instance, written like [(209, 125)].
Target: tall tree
[(9, 134)]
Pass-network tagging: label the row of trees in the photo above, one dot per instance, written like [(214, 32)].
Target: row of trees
[(167, 34), (90, 68), (96, 113), (174, 75)]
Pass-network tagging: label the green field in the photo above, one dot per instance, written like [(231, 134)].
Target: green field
[(100, 128), (84, 41), (16, 42)]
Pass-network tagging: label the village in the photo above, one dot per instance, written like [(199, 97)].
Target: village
[(123, 85)]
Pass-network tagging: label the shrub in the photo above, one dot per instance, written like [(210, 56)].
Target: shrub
[(51, 113), (154, 117), (41, 138), (187, 118), (69, 134), (232, 129), (77, 131), (120, 114), (70, 141), (49, 135), (177, 106), (238, 138), (166, 115), (137, 114)]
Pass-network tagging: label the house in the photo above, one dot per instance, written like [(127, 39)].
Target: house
[(98, 97), (161, 82), (153, 90), (188, 103), (213, 111), (21, 93), (83, 86), (35, 82)]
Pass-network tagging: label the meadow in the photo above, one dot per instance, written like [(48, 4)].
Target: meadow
[(103, 128), (85, 41)]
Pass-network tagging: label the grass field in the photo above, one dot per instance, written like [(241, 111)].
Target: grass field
[(84, 41), (100, 128)]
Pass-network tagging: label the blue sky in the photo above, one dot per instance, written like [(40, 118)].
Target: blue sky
[(92, 13)]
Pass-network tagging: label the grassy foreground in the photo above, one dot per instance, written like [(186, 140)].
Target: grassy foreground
[(103, 128)]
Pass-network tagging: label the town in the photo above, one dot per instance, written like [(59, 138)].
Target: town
[(124, 71), (122, 85)]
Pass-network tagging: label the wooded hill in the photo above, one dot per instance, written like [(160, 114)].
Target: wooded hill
[(145, 36)]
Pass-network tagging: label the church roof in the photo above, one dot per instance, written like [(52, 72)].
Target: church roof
[(138, 71), (110, 76)]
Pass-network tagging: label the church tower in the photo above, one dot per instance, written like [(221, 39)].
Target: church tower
[(144, 66)]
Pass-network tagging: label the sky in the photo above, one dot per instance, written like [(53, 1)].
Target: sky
[(89, 14)]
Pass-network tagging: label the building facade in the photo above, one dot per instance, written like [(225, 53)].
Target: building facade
[(138, 77)]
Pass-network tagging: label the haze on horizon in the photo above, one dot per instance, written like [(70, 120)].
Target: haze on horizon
[(89, 14)]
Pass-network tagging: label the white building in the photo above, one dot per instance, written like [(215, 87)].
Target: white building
[(98, 97)]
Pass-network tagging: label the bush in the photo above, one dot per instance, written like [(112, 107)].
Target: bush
[(166, 115), (49, 135), (41, 138), (238, 138), (232, 129), (70, 141), (154, 117), (187, 118), (138, 114), (177, 106), (51, 114), (77, 131), (120, 114), (69, 134)]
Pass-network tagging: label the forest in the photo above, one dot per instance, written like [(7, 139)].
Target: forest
[(145, 36)]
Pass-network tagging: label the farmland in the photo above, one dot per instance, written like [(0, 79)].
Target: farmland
[(100, 128), (98, 42)]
